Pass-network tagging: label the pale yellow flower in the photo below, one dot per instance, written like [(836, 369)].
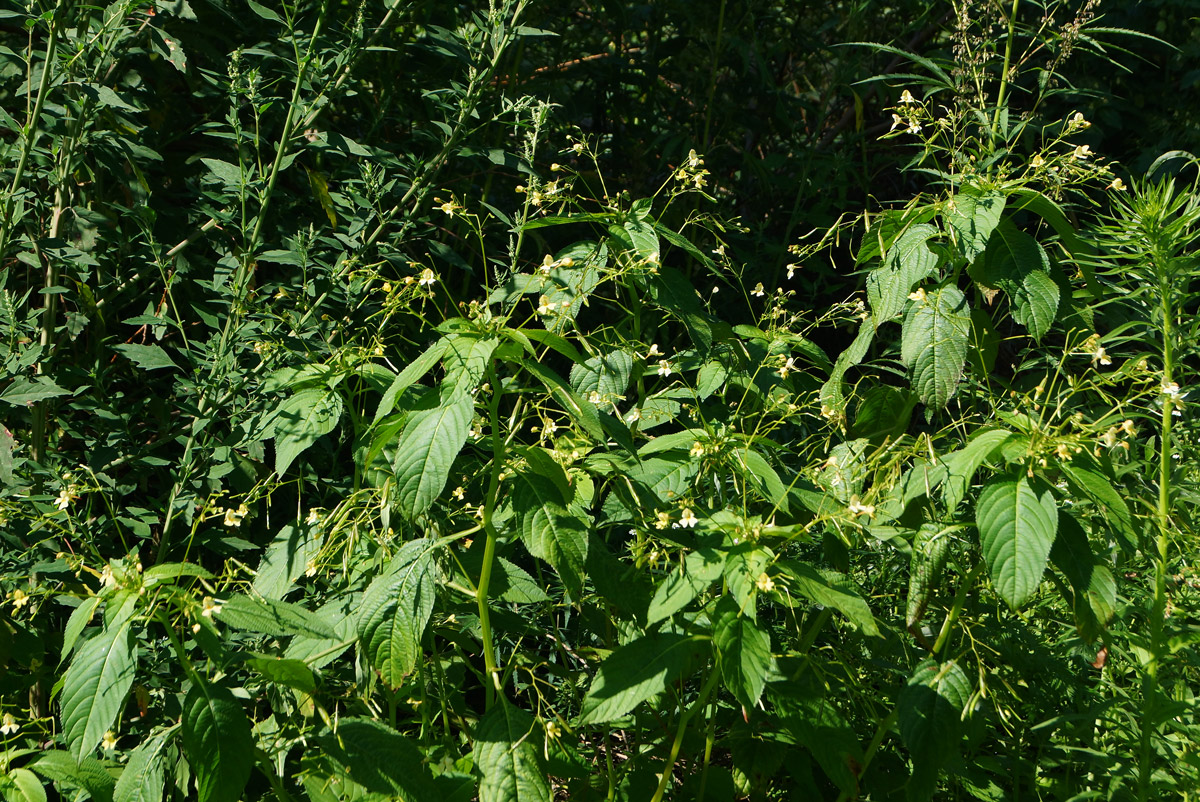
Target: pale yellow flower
[(906, 97), (1117, 184), (697, 449), (764, 583), (1082, 152), (428, 279), (10, 725), (664, 367), (109, 742), (688, 519), (662, 520)]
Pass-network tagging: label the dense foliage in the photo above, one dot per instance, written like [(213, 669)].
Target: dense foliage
[(695, 400)]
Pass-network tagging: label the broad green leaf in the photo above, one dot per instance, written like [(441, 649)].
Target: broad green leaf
[(701, 568), (1016, 530), (972, 214), (271, 617), (1017, 263), (300, 420), (744, 651), (466, 360), (829, 589), (23, 392), (550, 531), (426, 451), (908, 261), (832, 392), (228, 174), (1035, 302), (934, 343), (96, 685), (406, 378), (607, 375), (395, 610), (1090, 482), (931, 546), (149, 357), (581, 411), (508, 753), (744, 567), (1094, 591), (164, 572), (285, 560), (930, 714), (961, 465), (217, 742), (635, 672), (88, 774), (380, 759), (292, 673), (26, 787), (143, 778), (758, 472), (677, 295), (81, 616)]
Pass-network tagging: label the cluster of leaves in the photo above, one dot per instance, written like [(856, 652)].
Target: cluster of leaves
[(363, 443)]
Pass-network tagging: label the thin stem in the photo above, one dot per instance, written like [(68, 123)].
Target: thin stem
[(1008, 45), (960, 599), (680, 731), (489, 549)]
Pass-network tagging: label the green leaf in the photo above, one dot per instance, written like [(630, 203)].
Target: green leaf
[(972, 214), (285, 560), (217, 742), (508, 754), (426, 451), (908, 261), (395, 610), (744, 651), (81, 616), (292, 673), (144, 775), (550, 531), (378, 758), (411, 374), (604, 374), (1093, 484), (28, 788), (701, 568), (961, 465), (228, 174), (320, 189), (150, 357), (1017, 263), (1016, 530), (930, 715), (271, 617), (832, 392), (23, 392), (96, 685), (88, 774), (832, 590), (466, 361), (677, 295), (635, 672), (300, 420), (1094, 591), (759, 473), (934, 344)]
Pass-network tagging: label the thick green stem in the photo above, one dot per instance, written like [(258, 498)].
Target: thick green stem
[(489, 548), (960, 599)]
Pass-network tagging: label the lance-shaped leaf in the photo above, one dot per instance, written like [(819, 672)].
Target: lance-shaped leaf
[(1016, 529), (744, 650), (550, 531), (635, 672), (1017, 263), (934, 343), (144, 775), (426, 451), (395, 610), (378, 758), (95, 686), (217, 742), (908, 261), (300, 420), (508, 753)]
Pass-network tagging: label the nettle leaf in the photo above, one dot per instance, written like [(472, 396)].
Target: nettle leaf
[(378, 758), (744, 651), (300, 420), (635, 672), (143, 778), (604, 374), (96, 685), (829, 589), (395, 610), (550, 531), (972, 214), (930, 718), (1017, 263), (1016, 529), (934, 344), (271, 617), (88, 775), (508, 753), (466, 360), (908, 261), (217, 742), (426, 450)]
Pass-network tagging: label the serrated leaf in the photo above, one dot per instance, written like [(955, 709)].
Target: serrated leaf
[(426, 451), (81, 616), (508, 755), (96, 685), (466, 360), (972, 214), (701, 568), (908, 261), (1016, 530), (395, 610), (1094, 591), (411, 374), (23, 392), (1096, 486), (550, 531), (271, 617), (830, 590), (635, 672), (744, 651), (88, 774), (217, 741), (300, 420), (285, 560), (380, 759), (604, 374), (228, 174), (934, 343), (961, 465), (149, 357), (930, 714), (832, 392), (143, 778), (1017, 263), (28, 788), (759, 473)]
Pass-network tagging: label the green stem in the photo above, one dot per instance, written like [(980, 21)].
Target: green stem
[(1008, 46), (676, 744), (881, 732), (960, 598), (489, 548)]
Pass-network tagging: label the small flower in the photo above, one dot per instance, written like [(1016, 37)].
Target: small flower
[(1063, 451), (578, 147), (897, 121), (1117, 184), (634, 415), (109, 742), (857, 508), (662, 520), (764, 583), (554, 168), (1082, 152), (688, 519), (19, 598), (917, 295), (653, 352), (694, 160), (791, 269), (1037, 161), (458, 493), (906, 97), (65, 497), (664, 367), (758, 290), (387, 286), (697, 449), (787, 367), (209, 608), (545, 306), (914, 127), (1101, 356), (449, 207), (10, 725), (594, 397), (548, 264), (233, 518), (1170, 389), (1078, 121), (310, 568), (428, 279), (1128, 427)]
